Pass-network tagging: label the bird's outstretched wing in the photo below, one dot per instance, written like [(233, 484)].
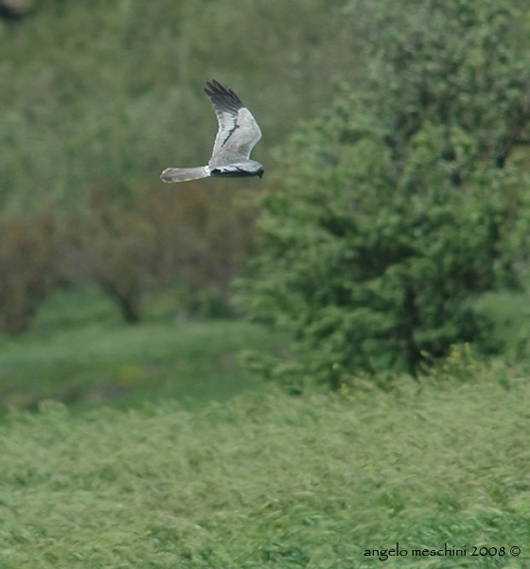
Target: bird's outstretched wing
[(238, 130)]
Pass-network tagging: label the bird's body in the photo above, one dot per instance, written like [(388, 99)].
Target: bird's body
[(237, 135)]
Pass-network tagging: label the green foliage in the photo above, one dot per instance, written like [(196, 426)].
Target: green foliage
[(399, 206), (510, 335), (273, 481), (460, 62)]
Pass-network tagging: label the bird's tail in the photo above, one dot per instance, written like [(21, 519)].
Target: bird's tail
[(184, 174)]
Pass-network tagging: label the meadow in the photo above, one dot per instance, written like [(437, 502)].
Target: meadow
[(147, 446), (81, 353), (271, 480)]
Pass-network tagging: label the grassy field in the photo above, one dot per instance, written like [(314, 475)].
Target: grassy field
[(268, 480), (167, 455), (81, 353)]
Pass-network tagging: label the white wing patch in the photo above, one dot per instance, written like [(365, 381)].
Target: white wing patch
[(238, 130), (236, 137)]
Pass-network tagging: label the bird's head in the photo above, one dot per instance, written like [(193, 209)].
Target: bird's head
[(256, 168)]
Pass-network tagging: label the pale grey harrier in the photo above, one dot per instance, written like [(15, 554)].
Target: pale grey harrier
[(237, 135)]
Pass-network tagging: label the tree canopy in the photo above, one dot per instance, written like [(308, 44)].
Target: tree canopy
[(400, 203)]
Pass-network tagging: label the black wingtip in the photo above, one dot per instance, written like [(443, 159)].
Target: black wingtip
[(214, 87), (223, 97)]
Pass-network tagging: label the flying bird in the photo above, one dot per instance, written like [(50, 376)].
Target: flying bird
[(237, 135)]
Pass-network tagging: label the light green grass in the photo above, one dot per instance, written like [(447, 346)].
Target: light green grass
[(267, 480), (79, 352)]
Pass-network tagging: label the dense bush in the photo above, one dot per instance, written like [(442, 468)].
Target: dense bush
[(191, 241), (399, 206)]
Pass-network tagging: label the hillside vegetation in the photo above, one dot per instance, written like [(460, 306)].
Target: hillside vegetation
[(96, 93), (275, 481)]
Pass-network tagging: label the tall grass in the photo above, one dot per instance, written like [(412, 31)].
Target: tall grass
[(273, 481)]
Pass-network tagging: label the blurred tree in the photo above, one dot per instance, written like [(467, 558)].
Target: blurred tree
[(462, 62), (202, 238), (399, 204), (188, 239), (28, 268), (113, 246)]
